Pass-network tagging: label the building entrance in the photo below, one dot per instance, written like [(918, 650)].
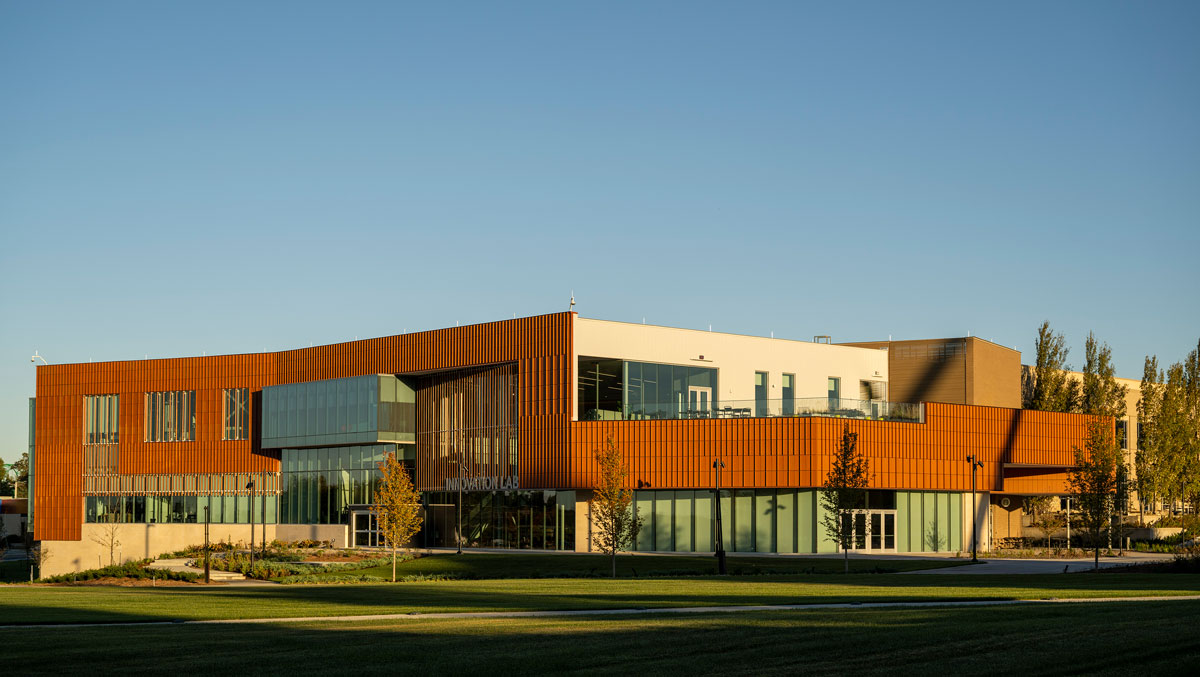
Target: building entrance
[(875, 530), (364, 530)]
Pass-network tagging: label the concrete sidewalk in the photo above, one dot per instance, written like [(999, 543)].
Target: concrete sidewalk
[(1047, 566)]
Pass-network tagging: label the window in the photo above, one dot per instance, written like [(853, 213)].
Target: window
[(761, 394), (171, 416), (835, 392), (1121, 425), (789, 394), (237, 414), (100, 420)]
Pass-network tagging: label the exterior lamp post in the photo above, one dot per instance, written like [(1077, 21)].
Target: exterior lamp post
[(975, 463), (206, 554), (458, 532), (717, 464), (250, 486)]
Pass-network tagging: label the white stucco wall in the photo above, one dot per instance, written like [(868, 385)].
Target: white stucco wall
[(736, 357)]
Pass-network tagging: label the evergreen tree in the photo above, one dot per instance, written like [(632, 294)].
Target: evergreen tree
[(1047, 387)]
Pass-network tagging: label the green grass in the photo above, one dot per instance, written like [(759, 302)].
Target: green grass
[(85, 604), (518, 565), (1135, 638)]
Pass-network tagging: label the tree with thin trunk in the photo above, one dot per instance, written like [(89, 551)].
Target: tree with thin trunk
[(1047, 386), (615, 519), (397, 507), (843, 496), (1093, 481), (1043, 516), (109, 536)]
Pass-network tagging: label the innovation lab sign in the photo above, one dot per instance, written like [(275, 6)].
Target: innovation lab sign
[(482, 484)]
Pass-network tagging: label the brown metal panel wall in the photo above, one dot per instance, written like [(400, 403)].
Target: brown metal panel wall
[(540, 346), (796, 452)]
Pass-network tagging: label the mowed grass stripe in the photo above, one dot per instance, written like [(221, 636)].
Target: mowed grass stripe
[(83, 604), (1102, 638)]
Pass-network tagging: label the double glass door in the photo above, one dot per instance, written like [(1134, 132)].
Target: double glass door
[(364, 530), (875, 530)]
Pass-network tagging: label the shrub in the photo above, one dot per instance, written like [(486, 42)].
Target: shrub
[(134, 570)]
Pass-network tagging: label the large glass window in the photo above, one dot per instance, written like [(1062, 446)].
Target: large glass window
[(236, 414), (100, 419), (171, 416), (618, 390), (835, 392)]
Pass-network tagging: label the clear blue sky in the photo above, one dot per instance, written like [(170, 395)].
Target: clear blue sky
[(182, 178)]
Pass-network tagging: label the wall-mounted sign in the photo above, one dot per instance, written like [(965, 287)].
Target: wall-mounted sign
[(482, 484)]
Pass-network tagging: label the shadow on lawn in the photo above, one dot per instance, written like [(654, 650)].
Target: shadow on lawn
[(1103, 636)]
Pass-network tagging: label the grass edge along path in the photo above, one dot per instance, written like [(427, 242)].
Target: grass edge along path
[(86, 604), (1037, 639)]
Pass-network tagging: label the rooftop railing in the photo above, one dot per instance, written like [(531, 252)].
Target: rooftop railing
[(828, 407)]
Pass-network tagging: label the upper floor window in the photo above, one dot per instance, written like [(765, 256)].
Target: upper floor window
[(789, 394), (171, 416), (1121, 428), (835, 391), (761, 393), (100, 419), (237, 414)]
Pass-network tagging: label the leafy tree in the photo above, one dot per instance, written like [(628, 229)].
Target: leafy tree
[(397, 507), (1094, 481), (1048, 387), (614, 517), (844, 493), (1151, 468), (1101, 394), (15, 475), (1043, 516)]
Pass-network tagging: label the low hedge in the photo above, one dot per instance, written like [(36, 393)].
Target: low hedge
[(134, 570), (240, 563)]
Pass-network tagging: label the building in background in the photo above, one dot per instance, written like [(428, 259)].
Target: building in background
[(508, 414)]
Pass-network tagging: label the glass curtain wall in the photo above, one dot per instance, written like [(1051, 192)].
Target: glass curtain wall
[(529, 520), (319, 485)]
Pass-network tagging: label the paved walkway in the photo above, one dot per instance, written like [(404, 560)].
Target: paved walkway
[(1047, 566), (627, 612), (180, 564)]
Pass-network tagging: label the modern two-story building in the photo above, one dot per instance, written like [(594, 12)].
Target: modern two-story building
[(505, 417)]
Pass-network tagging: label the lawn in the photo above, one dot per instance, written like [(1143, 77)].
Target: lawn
[(66, 604), (1134, 638), (14, 571), (518, 565)]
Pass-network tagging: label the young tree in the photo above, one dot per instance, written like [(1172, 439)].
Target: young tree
[(1043, 516), (397, 507), (1047, 386), (38, 556), (1094, 479), (844, 493), (109, 536), (1101, 394), (614, 517)]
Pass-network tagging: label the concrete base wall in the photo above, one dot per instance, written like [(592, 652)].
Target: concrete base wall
[(338, 533), (138, 541)]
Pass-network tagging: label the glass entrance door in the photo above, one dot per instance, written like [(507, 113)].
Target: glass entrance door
[(875, 530), (364, 530), (699, 402)]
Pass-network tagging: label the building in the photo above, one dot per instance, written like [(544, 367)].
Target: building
[(507, 415)]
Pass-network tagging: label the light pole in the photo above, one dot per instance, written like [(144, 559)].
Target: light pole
[(717, 464), (975, 463), (250, 486), (206, 555)]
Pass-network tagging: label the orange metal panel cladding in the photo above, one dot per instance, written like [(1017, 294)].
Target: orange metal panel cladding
[(795, 452), (539, 346)]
